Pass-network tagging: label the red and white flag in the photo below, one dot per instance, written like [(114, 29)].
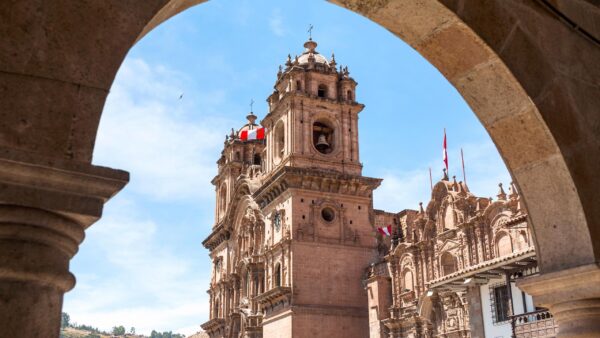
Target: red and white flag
[(445, 152), (252, 134), (386, 231)]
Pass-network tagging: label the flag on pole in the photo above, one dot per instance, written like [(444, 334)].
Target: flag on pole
[(386, 231), (252, 134), (445, 151)]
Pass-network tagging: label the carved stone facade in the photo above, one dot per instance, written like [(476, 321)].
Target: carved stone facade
[(443, 257), (295, 229), (294, 216)]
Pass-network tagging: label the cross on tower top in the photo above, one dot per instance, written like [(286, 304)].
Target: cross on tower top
[(310, 28), (251, 104)]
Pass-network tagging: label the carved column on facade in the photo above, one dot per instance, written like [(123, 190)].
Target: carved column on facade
[(418, 287), (45, 206), (393, 264), (211, 304)]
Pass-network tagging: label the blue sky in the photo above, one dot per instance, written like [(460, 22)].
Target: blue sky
[(143, 264)]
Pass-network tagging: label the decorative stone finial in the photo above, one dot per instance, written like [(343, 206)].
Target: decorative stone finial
[(514, 192), (251, 118), (421, 211), (445, 176), (288, 63), (310, 46), (501, 194), (332, 63)]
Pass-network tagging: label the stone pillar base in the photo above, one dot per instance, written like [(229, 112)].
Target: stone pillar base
[(573, 297)]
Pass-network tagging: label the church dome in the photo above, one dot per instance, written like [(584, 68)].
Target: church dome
[(310, 52)]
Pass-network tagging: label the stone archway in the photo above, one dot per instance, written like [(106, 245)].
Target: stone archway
[(531, 79)]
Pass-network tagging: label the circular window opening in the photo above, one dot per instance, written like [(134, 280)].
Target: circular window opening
[(323, 137), (328, 214)]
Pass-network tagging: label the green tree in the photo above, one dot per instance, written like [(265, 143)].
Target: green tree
[(118, 330), (65, 320), (132, 330)]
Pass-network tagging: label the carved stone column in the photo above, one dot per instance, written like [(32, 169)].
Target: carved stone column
[(573, 297), (45, 206)]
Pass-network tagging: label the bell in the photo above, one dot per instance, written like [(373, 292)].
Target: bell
[(322, 144)]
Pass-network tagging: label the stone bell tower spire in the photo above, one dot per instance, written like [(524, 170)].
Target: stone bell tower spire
[(313, 115)]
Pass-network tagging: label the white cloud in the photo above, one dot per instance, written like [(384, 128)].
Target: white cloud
[(148, 286), (405, 189), (276, 23), (147, 130), (132, 275)]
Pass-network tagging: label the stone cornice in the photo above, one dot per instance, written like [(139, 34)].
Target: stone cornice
[(292, 98), (314, 179), (214, 324), (216, 237)]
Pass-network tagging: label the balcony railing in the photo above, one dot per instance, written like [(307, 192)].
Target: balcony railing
[(537, 324)]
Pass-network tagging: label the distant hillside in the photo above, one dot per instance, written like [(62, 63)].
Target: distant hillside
[(70, 332)]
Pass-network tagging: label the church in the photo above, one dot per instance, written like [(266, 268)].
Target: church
[(295, 246)]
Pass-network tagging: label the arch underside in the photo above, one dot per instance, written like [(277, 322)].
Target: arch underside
[(542, 124), (502, 105)]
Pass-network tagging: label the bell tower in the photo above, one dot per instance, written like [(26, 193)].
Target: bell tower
[(294, 230), (313, 115), (316, 204)]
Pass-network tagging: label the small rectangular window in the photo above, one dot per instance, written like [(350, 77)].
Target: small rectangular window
[(500, 303)]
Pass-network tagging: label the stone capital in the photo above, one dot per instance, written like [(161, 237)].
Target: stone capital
[(572, 296), (565, 285), (76, 190)]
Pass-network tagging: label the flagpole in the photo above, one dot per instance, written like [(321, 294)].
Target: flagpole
[(445, 153), (430, 179), (462, 158)]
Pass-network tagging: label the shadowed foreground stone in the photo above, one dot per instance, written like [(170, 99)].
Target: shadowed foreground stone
[(45, 207)]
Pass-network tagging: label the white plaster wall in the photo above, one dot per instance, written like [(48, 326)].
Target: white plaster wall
[(502, 330)]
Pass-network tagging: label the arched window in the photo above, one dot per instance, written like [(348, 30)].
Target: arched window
[(322, 91), (222, 200), (298, 85), (504, 245), (408, 280), (349, 95), (237, 156), (257, 160), (277, 275), (449, 222), (279, 144), (448, 263), (523, 242)]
